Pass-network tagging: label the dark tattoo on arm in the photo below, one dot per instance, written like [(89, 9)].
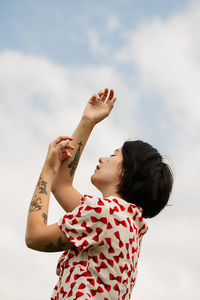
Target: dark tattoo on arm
[(73, 164), (36, 204), (45, 218), (53, 248), (42, 186)]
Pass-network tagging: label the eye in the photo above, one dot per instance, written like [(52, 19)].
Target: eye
[(112, 155)]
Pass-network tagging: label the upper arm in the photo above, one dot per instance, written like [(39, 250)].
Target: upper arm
[(67, 196), (86, 225), (50, 239)]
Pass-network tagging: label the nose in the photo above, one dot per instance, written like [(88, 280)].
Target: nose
[(101, 160)]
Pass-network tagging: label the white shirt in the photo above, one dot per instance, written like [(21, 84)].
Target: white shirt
[(107, 234)]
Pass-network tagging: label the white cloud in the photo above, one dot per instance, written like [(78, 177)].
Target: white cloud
[(168, 64), (40, 100), (113, 23), (166, 56), (96, 45)]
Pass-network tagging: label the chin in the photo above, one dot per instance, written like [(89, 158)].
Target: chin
[(94, 181)]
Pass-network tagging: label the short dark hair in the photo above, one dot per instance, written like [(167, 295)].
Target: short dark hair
[(146, 180)]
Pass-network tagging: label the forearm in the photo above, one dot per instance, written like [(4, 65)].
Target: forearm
[(98, 108), (38, 210), (66, 172)]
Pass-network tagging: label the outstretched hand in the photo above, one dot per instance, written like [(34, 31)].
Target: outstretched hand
[(99, 106)]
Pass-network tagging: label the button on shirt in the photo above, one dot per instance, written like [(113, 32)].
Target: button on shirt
[(107, 235)]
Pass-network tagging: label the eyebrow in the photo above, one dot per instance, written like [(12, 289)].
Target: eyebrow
[(117, 150)]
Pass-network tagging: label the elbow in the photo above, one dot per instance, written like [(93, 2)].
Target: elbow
[(33, 238), (29, 243)]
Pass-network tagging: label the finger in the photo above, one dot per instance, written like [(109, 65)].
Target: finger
[(100, 93), (112, 101), (61, 156), (95, 96), (67, 144), (64, 145), (67, 148), (70, 147), (105, 93), (62, 138), (66, 153), (111, 94)]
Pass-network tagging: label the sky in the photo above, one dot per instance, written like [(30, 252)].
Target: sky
[(53, 56)]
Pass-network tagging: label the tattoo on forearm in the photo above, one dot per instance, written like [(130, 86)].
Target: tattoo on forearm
[(52, 248), (42, 186), (39, 180), (36, 204), (45, 218), (73, 164)]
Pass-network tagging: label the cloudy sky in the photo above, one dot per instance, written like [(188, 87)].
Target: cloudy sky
[(53, 56)]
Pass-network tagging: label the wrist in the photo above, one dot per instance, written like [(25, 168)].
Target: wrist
[(88, 122), (47, 170)]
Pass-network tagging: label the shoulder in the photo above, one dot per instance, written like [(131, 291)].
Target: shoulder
[(94, 203)]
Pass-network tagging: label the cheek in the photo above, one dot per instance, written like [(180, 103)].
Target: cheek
[(112, 173), (108, 174), (118, 168), (118, 173)]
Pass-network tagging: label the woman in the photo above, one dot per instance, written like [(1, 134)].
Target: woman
[(101, 236)]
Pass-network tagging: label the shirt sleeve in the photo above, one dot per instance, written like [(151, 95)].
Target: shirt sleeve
[(86, 225)]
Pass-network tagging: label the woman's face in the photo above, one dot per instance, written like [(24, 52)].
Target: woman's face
[(108, 171)]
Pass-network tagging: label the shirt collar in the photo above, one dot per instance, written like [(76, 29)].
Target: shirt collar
[(125, 203)]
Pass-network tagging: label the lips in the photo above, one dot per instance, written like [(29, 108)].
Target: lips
[(97, 168)]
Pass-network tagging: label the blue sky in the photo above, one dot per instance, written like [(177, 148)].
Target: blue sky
[(59, 29), (53, 56)]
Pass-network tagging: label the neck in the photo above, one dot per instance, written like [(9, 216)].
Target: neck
[(109, 191)]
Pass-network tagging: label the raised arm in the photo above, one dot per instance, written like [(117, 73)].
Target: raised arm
[(39, 236), (98, 108)]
